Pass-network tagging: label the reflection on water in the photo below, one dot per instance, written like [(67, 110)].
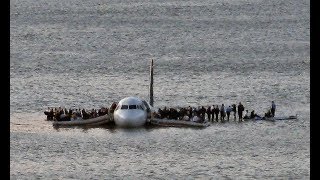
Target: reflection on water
[(220, 150)]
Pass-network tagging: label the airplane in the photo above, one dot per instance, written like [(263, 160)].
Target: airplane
[(134, 111)]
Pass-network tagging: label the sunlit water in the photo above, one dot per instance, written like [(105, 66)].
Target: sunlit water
[(87, 54)]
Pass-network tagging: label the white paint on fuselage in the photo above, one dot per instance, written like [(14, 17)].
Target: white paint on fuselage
[(131, 112)]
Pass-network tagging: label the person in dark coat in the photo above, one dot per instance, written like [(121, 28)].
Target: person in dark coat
[(202, 112), (190, 112), (212, 113), (208, 111), (252, 114), (222, 113), (216, 111), (240, 110), (234, 110)]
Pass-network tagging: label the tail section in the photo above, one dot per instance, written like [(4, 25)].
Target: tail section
[(151, 84)]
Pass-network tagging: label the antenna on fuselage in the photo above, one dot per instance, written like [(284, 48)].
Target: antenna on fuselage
[(151, 84)]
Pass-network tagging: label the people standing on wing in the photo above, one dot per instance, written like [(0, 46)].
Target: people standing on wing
[(183, 112), (208, 111), (85, 115), (65, 111), (49, 114), (189, 112), (78, 113), (212, 113), (73, 116), (273, 108), (229, 109), (174, 113), (216, 111), (240, 110), (194, 111), (198, 111), (56, 114), (222, 113), (234, 109), (165, 112), (112, 108), (202, 112)]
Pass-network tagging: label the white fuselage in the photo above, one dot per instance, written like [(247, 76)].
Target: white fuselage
[(131, 112)]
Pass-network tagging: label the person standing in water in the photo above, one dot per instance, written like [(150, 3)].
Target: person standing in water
[(273, 108)]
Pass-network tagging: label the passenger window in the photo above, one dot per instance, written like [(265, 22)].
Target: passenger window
[(124, 107), (132, 107)]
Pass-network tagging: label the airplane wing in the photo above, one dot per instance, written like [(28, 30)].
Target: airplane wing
[(178, 123)]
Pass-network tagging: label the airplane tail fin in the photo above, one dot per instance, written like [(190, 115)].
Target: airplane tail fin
[(151, 84)]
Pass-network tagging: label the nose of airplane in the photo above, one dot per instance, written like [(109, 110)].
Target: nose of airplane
[(130, 118)]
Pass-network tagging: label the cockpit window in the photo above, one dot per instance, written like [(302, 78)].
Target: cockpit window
[(132, 107), (124, 107)]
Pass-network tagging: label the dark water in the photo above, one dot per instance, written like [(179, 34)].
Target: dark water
[(87, 54)]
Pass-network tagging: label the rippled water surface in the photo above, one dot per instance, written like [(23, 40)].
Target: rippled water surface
[(87, 54)]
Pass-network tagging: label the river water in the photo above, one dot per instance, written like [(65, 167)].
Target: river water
[(87, 54)]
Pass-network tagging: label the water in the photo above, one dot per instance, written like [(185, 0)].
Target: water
[(87, 54)]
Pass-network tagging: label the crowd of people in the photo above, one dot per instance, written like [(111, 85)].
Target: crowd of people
[(64, 114), (212, 113)]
